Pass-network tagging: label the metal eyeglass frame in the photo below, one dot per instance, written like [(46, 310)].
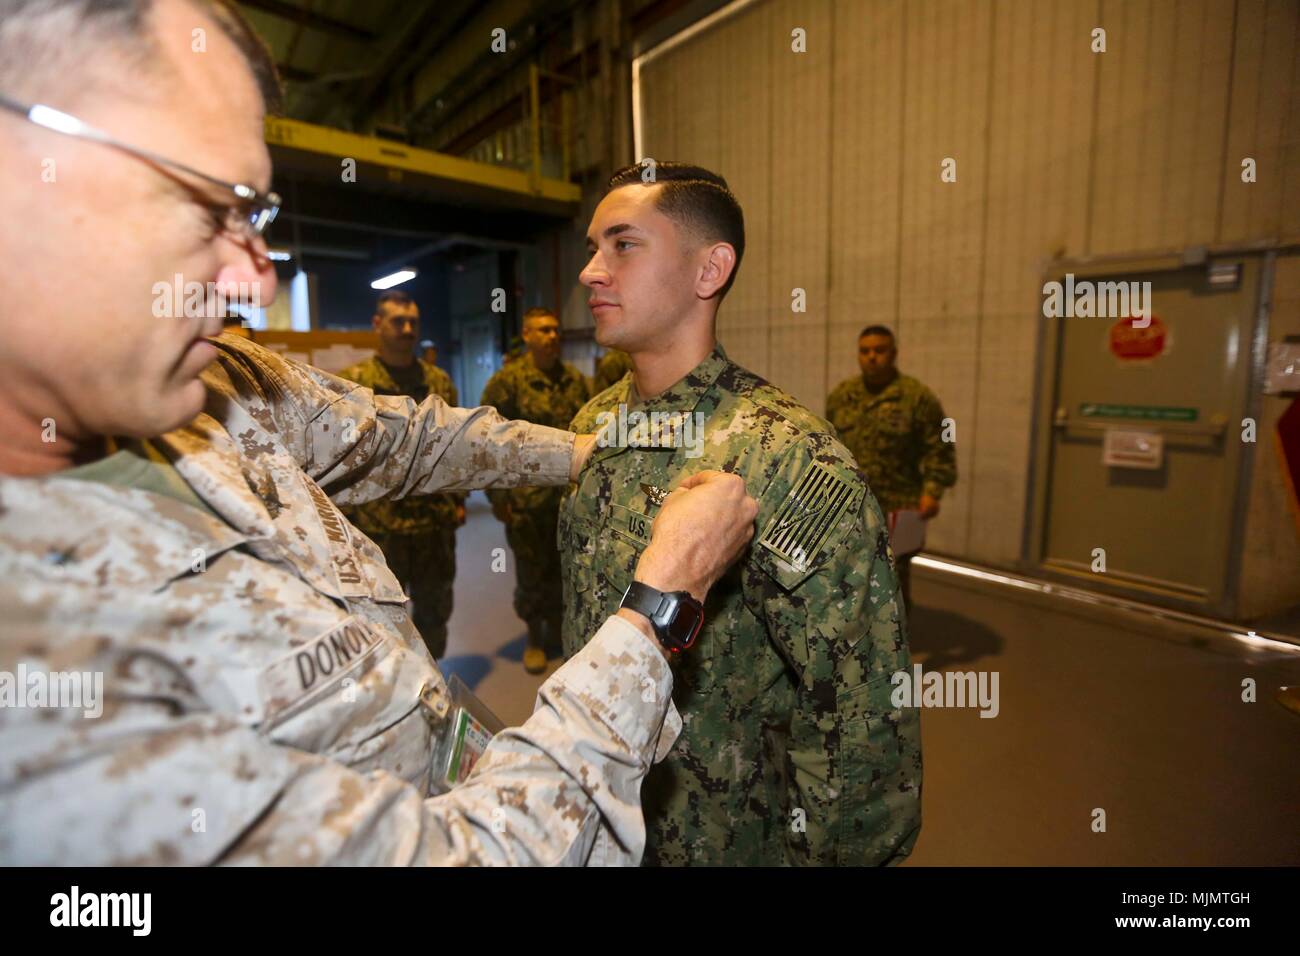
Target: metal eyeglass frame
[(252, 224)]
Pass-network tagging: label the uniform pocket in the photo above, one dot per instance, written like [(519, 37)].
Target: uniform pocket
[(616, 566), (844, 420), (617, 559), (575, 543), (881, 751)]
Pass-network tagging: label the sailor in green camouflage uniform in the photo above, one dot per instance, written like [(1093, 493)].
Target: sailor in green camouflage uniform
[(792, 750), (613, 365), (416, 534), (541, 388), (894, 426)]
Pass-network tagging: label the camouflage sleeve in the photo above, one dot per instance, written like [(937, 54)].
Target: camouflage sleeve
[(830, 599), (496, 394), (938, 464), (453, 399), (360, 446), (154, 788)]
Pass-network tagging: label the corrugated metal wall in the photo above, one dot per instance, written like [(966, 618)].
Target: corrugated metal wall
[(836, 156)]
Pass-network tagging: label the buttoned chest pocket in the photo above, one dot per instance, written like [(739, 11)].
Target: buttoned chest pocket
[(845, 420), (885, 435), (619, 550), (891, 420), (576, 543), (617, 559)]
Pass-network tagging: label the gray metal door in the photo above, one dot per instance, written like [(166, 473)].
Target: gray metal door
[(1140, 436), (474, 324), (481, 354)]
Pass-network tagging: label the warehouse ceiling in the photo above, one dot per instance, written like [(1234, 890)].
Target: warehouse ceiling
[(388, 68), (396, 64), (408, 64), (420, 73)]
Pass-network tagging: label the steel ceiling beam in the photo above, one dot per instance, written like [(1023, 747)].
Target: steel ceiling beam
[(314, 21)]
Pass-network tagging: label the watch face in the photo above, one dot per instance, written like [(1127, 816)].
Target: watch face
[(685, 625)]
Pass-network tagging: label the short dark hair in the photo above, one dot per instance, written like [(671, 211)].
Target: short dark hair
[(877, 330), (395, 297), (33, 32), (697, 200)]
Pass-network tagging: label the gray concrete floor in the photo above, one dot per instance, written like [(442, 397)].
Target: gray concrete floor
[(1109, 711), (1114, 711), (485, 640)]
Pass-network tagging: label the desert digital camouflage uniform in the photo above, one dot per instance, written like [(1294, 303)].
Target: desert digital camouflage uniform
[(416, 534), (896, 434), (792, 751), (266, 696), (613, 365), (522, 391)]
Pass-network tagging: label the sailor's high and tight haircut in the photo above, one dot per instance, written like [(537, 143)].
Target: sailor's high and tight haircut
[(699, 201)]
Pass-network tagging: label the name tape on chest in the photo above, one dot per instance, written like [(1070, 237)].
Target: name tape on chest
[(303, 677), (808, 514)]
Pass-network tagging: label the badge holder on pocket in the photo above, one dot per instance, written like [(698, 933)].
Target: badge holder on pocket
[(463, 726)]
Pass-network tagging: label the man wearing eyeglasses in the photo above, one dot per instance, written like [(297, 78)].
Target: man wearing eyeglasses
[(201, 660)]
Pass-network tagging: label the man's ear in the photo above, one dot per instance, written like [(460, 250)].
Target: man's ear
[(376, 321), (718, 267)]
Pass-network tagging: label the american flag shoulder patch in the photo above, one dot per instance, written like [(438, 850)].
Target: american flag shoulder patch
[(809, 513)]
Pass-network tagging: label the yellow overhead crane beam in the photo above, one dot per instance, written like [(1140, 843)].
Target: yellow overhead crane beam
[(422, 164)]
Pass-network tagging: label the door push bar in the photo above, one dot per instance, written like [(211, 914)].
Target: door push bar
[(1214, 429)]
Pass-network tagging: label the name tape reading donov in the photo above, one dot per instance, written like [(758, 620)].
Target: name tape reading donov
[(304, 676)]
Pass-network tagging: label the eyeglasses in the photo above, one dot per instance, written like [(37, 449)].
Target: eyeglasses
[(249, 214)]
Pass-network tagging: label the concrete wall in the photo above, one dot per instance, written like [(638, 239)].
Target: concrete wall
[(835, 154)]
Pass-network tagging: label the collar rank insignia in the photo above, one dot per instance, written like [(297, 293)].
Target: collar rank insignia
[(808, 514)]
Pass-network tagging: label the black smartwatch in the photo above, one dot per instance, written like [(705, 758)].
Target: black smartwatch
[(675, 615)]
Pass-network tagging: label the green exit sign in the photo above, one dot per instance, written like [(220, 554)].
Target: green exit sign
[(1146, 413)]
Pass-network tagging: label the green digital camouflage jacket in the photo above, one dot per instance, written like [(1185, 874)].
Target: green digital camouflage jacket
[(407, 515), (521, 391), (896, 435), (612, 366), (792, 751)]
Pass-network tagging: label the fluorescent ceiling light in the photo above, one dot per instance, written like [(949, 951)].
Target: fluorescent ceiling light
[(279, 255), (396, 278)]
